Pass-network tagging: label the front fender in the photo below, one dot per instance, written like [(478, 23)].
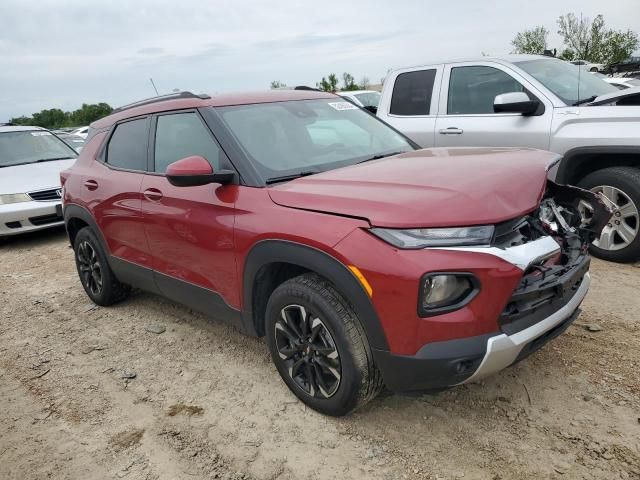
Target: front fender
[(325, 265)]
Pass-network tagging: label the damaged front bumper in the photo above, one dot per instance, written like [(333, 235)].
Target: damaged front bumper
[(550, 247)]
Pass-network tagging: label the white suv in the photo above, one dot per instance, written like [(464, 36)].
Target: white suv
[(31, 159), (532, 101)]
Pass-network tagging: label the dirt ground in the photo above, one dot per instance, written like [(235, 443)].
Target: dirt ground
[(206, 401)]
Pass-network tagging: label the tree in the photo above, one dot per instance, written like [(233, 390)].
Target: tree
[(365, 83), (329, 84), (56, 118), (592, 41), (532, 41), (275, 84), (349, 82)]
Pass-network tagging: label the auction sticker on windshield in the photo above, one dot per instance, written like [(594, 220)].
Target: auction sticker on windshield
[(343, 106), (40, 134)]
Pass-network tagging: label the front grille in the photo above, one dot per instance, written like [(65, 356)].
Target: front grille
[(542, 291), (45, 219), (13, 224), (516, 232), (46, 195)]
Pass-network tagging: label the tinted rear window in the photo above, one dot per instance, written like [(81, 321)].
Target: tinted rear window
[(128, 145), (412, 93)]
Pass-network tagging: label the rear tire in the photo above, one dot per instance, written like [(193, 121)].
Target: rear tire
[(96, 276), (619, 242), (327, 363)]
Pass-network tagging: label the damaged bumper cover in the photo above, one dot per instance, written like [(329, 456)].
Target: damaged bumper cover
[(550, 247)]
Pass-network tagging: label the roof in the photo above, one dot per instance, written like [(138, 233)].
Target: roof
[(18, 128), (508, 58), (225, 100)]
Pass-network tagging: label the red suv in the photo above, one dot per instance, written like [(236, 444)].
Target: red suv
[(364, 261)]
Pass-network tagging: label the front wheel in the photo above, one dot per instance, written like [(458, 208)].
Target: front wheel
[(620, 238), (319, 346)]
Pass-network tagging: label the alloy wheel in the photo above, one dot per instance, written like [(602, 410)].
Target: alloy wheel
[(623, 227), (90, 268), (308, 351)]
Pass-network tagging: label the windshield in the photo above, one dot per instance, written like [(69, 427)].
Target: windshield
[(18, 148), (369, 99), (309, 136), (562, 79)]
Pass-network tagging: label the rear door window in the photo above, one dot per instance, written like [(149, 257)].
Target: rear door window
[(181, 135), (128, 145), (412, 93)]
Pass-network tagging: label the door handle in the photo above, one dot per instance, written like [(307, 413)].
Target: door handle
[(152, 194), (451, 131), (91, 184)]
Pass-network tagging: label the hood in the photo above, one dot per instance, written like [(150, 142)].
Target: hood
[(32, 177), (631, 96), (427, 188)]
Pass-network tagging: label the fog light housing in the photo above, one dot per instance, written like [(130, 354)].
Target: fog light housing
[(445, 292)]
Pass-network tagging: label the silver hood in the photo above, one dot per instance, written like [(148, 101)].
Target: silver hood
[(33, 176), (615, 96)]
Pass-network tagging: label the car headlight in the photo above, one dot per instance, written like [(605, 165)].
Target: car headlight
[(446, 292), (436, 237), (14, 198)]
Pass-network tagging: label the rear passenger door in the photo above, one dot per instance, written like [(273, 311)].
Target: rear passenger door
[(466, 117), (114, 185), (189, 229), (413, 105)]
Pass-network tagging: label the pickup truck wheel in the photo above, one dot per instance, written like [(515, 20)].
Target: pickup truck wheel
[(620, 239), (319, 347), (98, 281)]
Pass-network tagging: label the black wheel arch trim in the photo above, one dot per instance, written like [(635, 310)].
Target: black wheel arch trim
[(577, 155), (265, 252), (71, 211)]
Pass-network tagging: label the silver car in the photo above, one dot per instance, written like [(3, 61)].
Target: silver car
[(31, 159)]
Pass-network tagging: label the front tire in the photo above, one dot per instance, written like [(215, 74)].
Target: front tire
[(96, 276), (620, 239), (319, 346)]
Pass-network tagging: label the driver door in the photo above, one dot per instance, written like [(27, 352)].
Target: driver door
[(465, 111), (190, 229)]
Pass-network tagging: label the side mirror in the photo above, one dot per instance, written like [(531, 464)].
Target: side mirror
[(515, 102), (371, 108), (195, 171)]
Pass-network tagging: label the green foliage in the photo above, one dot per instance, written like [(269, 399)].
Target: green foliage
[(532, 41), (349, 82), (592, 41), (56, 118), (568, 55), (277, 84), (329, 84)]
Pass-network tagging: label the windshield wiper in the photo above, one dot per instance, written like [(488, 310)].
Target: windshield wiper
[(585, 100), (51, 159), (292, 176), (383, 155), (36, 161)]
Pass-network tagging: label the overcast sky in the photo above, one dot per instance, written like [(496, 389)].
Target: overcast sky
[(64, 53)]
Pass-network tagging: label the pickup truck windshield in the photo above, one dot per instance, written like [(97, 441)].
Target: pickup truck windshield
[(289, 139), (562, 79), (32, 146), (369, 99)]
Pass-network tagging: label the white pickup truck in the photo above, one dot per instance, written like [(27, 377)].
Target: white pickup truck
[(532, 101)]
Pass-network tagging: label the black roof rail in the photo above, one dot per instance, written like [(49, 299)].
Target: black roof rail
[(161, 98), (305, 87)]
